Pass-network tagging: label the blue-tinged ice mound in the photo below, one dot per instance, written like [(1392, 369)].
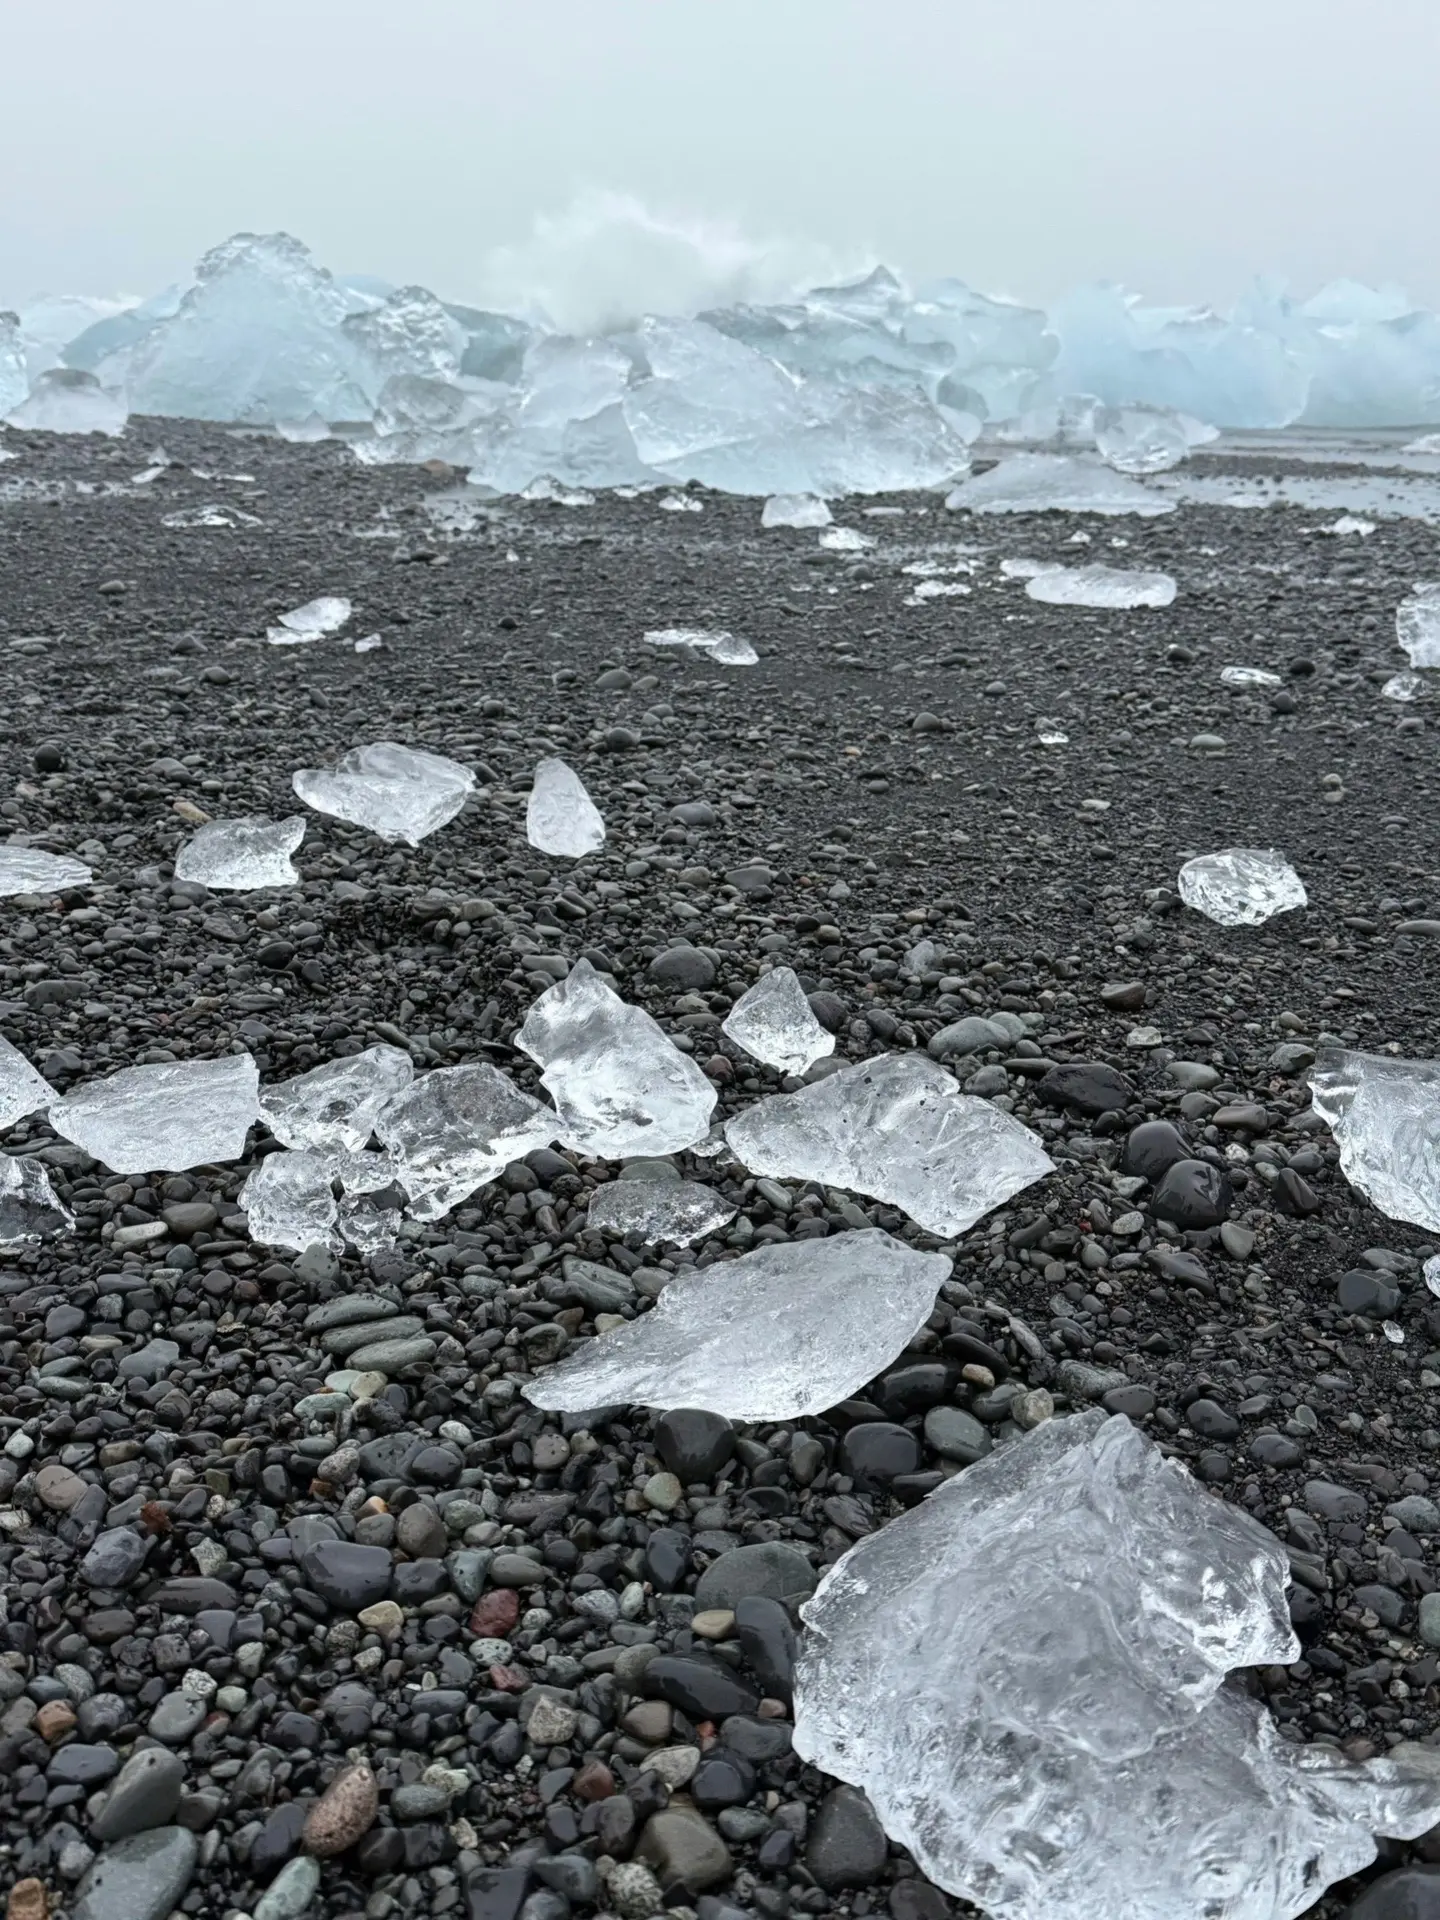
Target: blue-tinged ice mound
[(14, 381)]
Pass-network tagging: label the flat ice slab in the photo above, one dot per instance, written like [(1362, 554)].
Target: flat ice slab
[(678, 1211), (1055, 483), (28, 870), (399, 793), (1241, 886), (1100, 586), (165, 1118), (241, 856)]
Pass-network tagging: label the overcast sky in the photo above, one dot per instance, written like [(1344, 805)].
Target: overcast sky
[(1178, 145)]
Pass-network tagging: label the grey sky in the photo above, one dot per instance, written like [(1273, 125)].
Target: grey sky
[(1178, 145)]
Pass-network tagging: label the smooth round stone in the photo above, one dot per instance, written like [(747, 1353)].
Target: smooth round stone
[(663, 1492), (1193, 1076), (875, 1452), (1276, 1450), (1211, 1421), (145, 1795), (114, 1559), (683, 967), (175, 1718), (1361, 1291), (1410, 1893), (722, 1779), (141, 1878), (693, 1443), (769, 1567), (346, 1575), (970, 1035), (1194, 1195), (956, 1435), (1152, 1148), (393, 1356), (1087, 1086), (1430, 1623), (846, 1844), (1383, 1602)]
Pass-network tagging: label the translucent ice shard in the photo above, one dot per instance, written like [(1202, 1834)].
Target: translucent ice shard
[(22, 1089), (1241, 886), (455, 1128), (1146, 439), (795, 510), (773, 1022), (1100, 586), (620, 1088), (1055, 483), (64, 400), (778, 1334), (28, 870), (316, 620), (897, 1128), (337, 1105), (725, 649), (1403, 686), (1385, 1116), (398, 792), (1417, 624), (290, 1203), (845, 540), (1250, 679), (561, 818), (1027, 1675), (241, 855), (165, 1118), (30, 1209), (14, 378), (680, 1211)]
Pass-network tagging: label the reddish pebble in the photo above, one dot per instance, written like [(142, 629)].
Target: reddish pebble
[(509, 1679), (594, 1781), (495, 1613)]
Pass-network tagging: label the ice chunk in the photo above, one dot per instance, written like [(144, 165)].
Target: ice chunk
[(897, 1128), (316, 620), (773, 1022), (337, 1105), (22, 1089), (795, 510), (680, 503), (289, 1202), (241, 855), (409, 334), (1027, 1675), (397, 792), (779, 1334), (368, 1224), (679, 1211), (457, 1127), (1241, 886), (845, 540), (1100, 586), (304, 433), (1350, 523), (28, 870), (620, 1088), (1055, 483), (14, 378), (1417, 624), (213, 514), (30, 1209), (368, 643), (561, 818), (923, 957), (165, 1118), (65, 400), (725, 649), (1023, 568), (1385, 1116), (1403, 686), (1251, 679), (1146, 439)]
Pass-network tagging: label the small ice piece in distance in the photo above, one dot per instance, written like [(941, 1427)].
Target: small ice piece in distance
[(1022, 568), (1241, 886), (561, 818), (163, 1119), (725, 649), (1139, 439), (316, 620), (28, 870), (30, 1209), (1100, 586), (1385, 1116), (620, 1087), (337, 1105), (22, 1089), (368, 642), (795, 510), (680, 1211), (774, 1023), (846, 540), (1350, 523), (188, 519), (289, 1202), (1050, 734), (779, 1334), (1417, 624), (242, 855), (680, 503), (455, 1128), (1403, 686), (1250, 679), (897, 1128), (1393, 1332), (399, 793)]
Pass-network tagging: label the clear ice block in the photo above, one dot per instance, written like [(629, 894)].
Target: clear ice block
[(678, 1211), (561, 818), (30, 1210), (455, 1128), (774, 1023), (399, 793), (1100, 586), (337, 1105), (795, 510), (28, 870), (1417, 624), (1241, 886), (1055, 483), (163, 1119), (290, 1203), (22, 1089), (1385, 1116), (240, 856), (65, 400), (316, 620), (725, 649)]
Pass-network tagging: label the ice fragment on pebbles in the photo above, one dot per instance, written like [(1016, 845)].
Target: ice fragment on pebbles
[(774, 1023), (316, 620), (561, 818), (845, 540), (1385, 1116), (242, 855), (1417, 624), (778, 1334), (337, 1105), (897, 1128), (1027, 1675), (795, 510), (680, 1211), (399, 793), (1100, 586), (1241, 886), (289, 1201), (455, 1128), (165, 1118), (1249, 679), (725, 649), (619, 1086), (30, 1209), (1403, 686), (22, 1089), (28, 870), (1138, 439), (1055, 483)]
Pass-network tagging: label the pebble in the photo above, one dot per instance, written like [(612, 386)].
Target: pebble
[(346, 1810), (139, 1878)]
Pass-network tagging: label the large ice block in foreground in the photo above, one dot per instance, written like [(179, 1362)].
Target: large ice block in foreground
[(1241, 886), (1417, 624), (239, 856), (165, 1118), (779, 1334), (30, 1209), (1385, 1116), (316, 620), (336, 1106), (561, 818), (680, 1211), (397, 792), (897, 1128), (289, 1202), (1100, 586), (1055, 483), (65, 400), (1027, 1675), (774, 1023), (1146, 439), (22, 1089), (28, 870), (455, 1128), (620, 1087)]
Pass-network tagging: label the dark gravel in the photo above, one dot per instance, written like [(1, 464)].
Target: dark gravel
[(504, 1614)]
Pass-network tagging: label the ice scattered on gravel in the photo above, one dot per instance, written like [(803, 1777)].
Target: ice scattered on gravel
[(28, 870), (454, 1128), (795, 510), (725, 649), (680, 503), (1055, 483), (289, 1202), (22, 1089), (774, 1023), (561, 818), (1385, 1116), (1250, 679), (337, 1105), (1241, 886), (1417, 624), (1100, 586), (242, 855), (779, 1334), (164, 1118), (30, 1209), (316, 620), (399, 793), (678, 1211)]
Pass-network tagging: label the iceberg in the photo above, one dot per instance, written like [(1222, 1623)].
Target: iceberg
[(1055, 483), (240, 856), (397, 792), (679, 1211), (774, 1023), (725, 649), (30, 1210), (561, 818), (336, 1107), (1241, 886), (289, 1202), (316, 620), (1100, 586), (620, 1088), (897, 1128), (1385, 1116), (779, 1334), (1028, 1674), (163, 1119), (455, 1128), (22, 1089), (1417, 624), (28, 870), (795, 510), (65, 400), (14, 376)]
